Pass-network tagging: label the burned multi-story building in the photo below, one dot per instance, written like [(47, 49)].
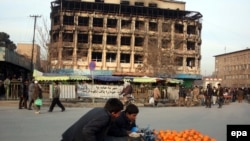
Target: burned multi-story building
[(127, 37)]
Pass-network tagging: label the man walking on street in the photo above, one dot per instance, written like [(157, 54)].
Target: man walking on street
[(2, 90), (182, 95), (56, 98), (208, 96), (220, 95), (23, 94), (31, 92)]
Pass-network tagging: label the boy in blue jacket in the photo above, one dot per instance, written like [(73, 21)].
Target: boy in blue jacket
[(122, 126)]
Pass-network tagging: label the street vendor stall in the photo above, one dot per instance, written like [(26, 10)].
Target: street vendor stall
[(165, 135)]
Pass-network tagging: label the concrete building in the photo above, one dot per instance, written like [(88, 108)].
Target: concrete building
[(25, 49), (127, 37), (233, 68)]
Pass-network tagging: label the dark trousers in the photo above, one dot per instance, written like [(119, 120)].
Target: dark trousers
[(23, 102), (54, 102), (30, 103), (156, 102), (208, 101), (220, 101)]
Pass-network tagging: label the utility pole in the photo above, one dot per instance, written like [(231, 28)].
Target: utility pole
[(33, 44)]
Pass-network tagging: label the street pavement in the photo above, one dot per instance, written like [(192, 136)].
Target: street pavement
[(24, 125)]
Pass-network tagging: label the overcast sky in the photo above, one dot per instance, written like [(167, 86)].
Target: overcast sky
[(225, 24)]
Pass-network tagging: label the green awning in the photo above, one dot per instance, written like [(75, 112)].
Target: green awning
[(146, 79), (61, 78), (51, 78), (78, 77)]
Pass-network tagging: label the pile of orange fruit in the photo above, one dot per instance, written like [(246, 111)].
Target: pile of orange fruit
[(184, 135)]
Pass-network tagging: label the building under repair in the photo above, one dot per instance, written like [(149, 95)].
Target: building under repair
[(127, 37)]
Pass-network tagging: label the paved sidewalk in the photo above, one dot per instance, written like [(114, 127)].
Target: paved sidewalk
[(24, 125)]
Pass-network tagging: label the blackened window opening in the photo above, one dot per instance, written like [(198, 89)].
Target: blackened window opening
[(125, 58), (178, 28), (139, 41), (97, 39), (110, 57), (83, 21), (126, 24), (125, 40), (56, 20), (67, 37), (139, 25), (68, 20), (96, 56), (82, 38), (111, 40), (190, 29), (190, 45), (112, 23), (138, 59), (153, 26), (98, 22), (190, 62)]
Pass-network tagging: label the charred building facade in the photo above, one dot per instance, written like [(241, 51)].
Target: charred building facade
[(127, 37)]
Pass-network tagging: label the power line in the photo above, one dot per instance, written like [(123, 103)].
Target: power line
[(33, 41)]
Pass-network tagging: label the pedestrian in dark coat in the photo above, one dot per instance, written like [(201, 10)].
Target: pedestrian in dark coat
[(23, 95), (208, 96), (56, 98), (182, 95), (94, 124), (2, 90), (220, 96), (240, 94)]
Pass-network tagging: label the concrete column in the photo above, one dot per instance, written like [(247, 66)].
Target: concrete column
[(185, 28), (60, 49), (89, 58), (60, 43), (197, 65), (185, 36), (118, 54), (159, 32), (172, 36), (75, 40), (104, 43), (132, 47), (146, 42), (159, 44), (184, 63)]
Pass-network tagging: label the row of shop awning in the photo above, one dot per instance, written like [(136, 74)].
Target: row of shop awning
[(108, 78), (57, 77), (101, 78), (61, 78)]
